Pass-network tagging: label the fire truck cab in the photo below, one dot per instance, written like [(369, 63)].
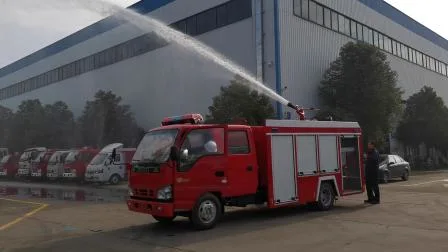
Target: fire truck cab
[(9, 165), (40, 164), (26, 158), (185, 168), (76, 162)]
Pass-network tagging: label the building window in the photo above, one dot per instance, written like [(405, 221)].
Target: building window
[(206, 21), (192, 26), (313, 12), (327, 18), (320, 14), (380, 41), (334, 21), (387, 44), (305, 4), (353, 29), (221, 18), (238, 10)]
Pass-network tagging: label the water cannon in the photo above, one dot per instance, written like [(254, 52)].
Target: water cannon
[(183, 119), (300, 110)]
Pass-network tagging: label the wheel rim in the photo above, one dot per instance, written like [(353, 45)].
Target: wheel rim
[(114, 179), (207, 211), (326, 197)]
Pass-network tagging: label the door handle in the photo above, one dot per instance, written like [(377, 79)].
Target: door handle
[(249, 168), (219, 174)]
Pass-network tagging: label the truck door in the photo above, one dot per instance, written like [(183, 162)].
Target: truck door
[(202, 166), (351, 166), (242, 162)]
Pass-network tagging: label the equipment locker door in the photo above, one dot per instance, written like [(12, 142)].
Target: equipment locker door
[(283, 169)]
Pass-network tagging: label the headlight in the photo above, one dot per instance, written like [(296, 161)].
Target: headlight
[(131, 193), (165, 193)]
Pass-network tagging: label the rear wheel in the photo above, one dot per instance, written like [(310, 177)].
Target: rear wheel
[(114, 179), (164, 220), (405, 175), (386, 177), (326, 197), (206, 212)]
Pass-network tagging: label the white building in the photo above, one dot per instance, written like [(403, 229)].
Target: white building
[(285, 43)]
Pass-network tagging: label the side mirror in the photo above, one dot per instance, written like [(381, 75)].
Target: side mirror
[(174, 154), (184, 155)]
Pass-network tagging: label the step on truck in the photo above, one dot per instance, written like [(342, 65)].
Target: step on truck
[(185, 168), (9, 165), (55, 168), (110, 165), (40, 164), (76, 163), (27, 156)]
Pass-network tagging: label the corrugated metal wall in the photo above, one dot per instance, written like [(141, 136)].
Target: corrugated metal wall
[(307, 50)]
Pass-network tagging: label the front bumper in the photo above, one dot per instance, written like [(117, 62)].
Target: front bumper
[(93, 178), (23, 172), (52, 175), (69, 175), (36, 174), (151, 207)]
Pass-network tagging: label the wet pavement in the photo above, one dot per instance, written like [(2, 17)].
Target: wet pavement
[(58, 192), (413, 216)]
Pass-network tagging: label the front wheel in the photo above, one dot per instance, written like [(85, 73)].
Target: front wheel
[(405, 175), (206, 212), (115, 179), (385, 177), (326, 197)]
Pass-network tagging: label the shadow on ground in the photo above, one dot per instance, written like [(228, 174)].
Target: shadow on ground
[(155, 236)]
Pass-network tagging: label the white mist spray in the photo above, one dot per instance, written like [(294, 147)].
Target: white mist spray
[(148, 24)]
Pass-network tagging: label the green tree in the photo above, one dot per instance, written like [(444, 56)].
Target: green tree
[(361, 86), (238, 101), (28, 126), (6, 116), (424, 120), (60, 125), (105, 120)]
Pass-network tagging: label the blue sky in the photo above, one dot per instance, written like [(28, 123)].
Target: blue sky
[(30, 25)]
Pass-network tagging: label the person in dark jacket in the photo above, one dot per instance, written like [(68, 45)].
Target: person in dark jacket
[(372, 168)]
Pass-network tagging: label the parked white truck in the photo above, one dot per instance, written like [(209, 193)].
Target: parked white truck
[(110, 164), (26, 158), (55, 168)]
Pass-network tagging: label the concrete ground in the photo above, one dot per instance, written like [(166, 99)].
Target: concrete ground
[(413, 216)]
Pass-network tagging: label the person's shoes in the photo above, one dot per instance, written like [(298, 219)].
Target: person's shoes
[(367, 201), (375, 202)]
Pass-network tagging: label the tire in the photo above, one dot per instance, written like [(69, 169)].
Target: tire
[(405, 175), (164, 220), (206, 212), (326, 197), (385, 178), (114, 179)]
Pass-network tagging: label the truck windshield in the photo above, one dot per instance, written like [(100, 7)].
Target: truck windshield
[(54, 158), (38, 156), (25, 156), (71, 157), (4, 160), (99, 159), (155, 146)]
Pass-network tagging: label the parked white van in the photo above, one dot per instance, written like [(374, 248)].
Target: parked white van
[(110, 164)]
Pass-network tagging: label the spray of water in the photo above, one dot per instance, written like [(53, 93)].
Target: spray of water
[(146, 23)]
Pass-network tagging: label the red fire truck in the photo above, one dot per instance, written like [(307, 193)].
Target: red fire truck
[(185, 168)]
